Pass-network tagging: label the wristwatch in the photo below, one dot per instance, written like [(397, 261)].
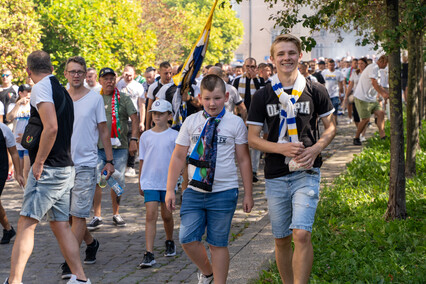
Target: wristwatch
[(110, 162)]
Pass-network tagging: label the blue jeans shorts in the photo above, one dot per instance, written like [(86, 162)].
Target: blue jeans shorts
[(83, 191), (292, 201), (50, 194), (213, 211), (120, 162), (154, 195), (336, 103), (22, 153)]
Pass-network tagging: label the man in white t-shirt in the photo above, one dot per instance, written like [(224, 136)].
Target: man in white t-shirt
[(234, 99), (127, 84), (334, 85), (91, 82), (90, 123), (165, 71), (366, 95)]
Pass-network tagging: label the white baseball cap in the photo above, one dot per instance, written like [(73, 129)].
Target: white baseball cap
[(161, 106)]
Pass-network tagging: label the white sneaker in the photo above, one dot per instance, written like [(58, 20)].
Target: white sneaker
[(6, 281), (202, 279), (74, 280), (130, 172), (350, 121), (362, 138)]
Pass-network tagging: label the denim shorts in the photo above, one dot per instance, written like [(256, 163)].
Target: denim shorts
[(213, 211), (154, 195), (83, 191), (22, 153), (120, 162), (292, 201), (336, 103), (50, 194)]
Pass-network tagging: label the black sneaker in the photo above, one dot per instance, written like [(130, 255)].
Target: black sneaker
[(148, 260), (357, 142), (118, 221), (255, 178), (7, 236), (170, 248), (91, 251), (95, 224), (66, 271)]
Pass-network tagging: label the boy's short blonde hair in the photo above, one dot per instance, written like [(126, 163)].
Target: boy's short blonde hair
[(286, 38)]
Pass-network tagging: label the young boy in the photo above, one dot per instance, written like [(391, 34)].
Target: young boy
[(155, 150), (213, 137), (7, 143)]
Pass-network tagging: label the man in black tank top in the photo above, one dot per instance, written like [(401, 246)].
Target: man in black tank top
[(52, 171)]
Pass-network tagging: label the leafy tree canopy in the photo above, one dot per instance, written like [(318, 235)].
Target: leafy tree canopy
[(19, 35), (226, 33), (105, 33)]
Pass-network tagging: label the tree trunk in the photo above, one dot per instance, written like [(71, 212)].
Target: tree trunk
[(412, 103), (421, 69), (396, 204)]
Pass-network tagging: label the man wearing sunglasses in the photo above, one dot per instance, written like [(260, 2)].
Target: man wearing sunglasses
[(8, 91)]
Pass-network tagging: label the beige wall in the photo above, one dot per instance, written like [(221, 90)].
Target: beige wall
[(262, 30)]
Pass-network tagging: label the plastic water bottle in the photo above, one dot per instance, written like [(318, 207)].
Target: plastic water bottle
[(115, 186), (103, 181)]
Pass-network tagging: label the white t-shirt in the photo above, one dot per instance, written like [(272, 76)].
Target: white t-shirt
[(155, 149), (2, 109), (231, 130), (234, 98), (332, 80), (365, 90), (8, 135), (20, 121), (42, 92), (133, 89), (97, 88), (88, 112), (355, 78), (150, 93)]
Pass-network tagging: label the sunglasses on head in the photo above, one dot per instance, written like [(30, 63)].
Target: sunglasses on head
[(5, 75)]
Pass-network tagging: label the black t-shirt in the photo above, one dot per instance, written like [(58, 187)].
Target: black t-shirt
[(312, 104), (7, 97), (319, 77), (60, 155)]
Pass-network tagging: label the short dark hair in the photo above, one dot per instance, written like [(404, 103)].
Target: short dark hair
[(77, 59), (331, 60), (250, 59), (39, 62), (211, 82), (149, 69), (165, 64), (219, 65)]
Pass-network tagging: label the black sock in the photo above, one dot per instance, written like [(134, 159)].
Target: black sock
[(208, 276), (82, 281), (92, 244)]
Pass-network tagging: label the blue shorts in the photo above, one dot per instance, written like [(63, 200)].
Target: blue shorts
[(83, 191), (154, 195), (50, 194), (22, 153), (292, 201), (120, 162), (213, 211), (336, 103)]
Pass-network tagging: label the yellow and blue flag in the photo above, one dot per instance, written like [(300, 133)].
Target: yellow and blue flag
[(186, 77)]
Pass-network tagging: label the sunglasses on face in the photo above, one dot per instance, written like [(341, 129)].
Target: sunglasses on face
[(5, 75)]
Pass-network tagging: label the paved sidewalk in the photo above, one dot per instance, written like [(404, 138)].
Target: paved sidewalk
[(251, 243)]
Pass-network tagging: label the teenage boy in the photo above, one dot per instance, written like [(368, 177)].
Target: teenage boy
[(90, 123), (155, 150), (291, 106), (214, 138), (7, 144)]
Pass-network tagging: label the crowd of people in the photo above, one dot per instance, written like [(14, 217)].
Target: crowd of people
[(101, 125)]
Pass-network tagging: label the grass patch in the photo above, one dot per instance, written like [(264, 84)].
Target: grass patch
[(352, 241)]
